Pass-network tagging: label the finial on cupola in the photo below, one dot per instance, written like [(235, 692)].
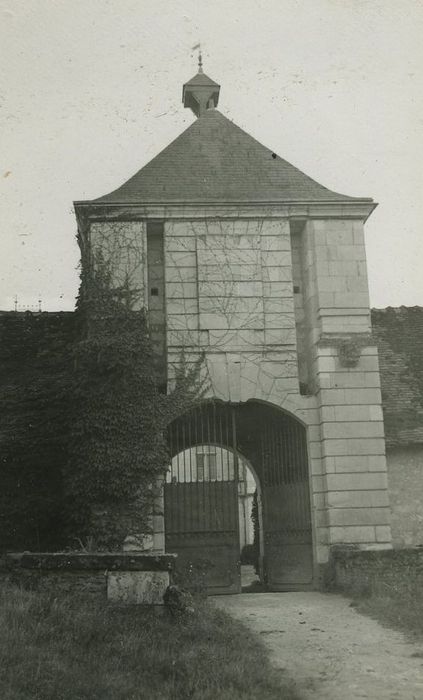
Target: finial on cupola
[(201, 92)]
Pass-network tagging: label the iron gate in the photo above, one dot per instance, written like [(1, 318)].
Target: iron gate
[(201, 502)]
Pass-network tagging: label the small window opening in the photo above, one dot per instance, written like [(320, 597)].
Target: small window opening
[(296, 289), (154, 291)]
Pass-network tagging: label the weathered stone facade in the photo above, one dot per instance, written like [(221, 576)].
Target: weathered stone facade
[(230, 293), (264, 273)]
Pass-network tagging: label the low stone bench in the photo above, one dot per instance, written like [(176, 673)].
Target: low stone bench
[(122, 578)]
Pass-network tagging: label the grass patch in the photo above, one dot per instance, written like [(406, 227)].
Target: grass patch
[(68, 648), (399, 607)]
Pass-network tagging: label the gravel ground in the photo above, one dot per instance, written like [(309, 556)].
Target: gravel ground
[(331, 651)]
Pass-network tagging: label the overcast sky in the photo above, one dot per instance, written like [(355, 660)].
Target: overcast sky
[(90, 91)]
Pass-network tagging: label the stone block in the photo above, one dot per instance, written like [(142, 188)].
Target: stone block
[(345, 268), (277, 289), (252, 288), (227, 255), (331, 284), (315, 450), (226, 274), (352, 534), (284, 305), (137, 587), (322, 535), (363, 396), (181, 258), (355, 380), (271, 258), (277, 242), (179, 244), (359, 298), (319, 484), (342, 236), (353, 414), (351, 463), (181, 274), (181, 306), (279, 320), (316, 467), (180, 229), (329, 465), (283, 336), (353, 429), (186, 338), (309, 414), (277, 274), (358, 499), (359, 516), (354, 446), (353, 482), (235, 339), (231, 321), (321, 519), (319, 501), (182, 322), (181, 290)]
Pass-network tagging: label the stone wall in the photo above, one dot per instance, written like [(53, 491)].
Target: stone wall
[(405, 479), (229, 293), (364, 572), (139, 579)]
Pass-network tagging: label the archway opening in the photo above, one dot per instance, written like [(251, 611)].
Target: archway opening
[(201, 485), (221, 454)]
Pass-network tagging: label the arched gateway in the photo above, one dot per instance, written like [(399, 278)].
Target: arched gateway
[(201, 507), (242, 259)]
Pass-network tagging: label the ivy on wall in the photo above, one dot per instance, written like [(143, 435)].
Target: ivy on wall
[(35, 362), (84, 431)]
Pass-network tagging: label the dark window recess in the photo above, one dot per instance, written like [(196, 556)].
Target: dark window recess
[(154, 291), (296, 289)]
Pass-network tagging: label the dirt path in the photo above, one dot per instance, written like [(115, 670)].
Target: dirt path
[(332, 651)]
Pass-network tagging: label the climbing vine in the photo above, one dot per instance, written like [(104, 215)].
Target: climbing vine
[(117, 448)]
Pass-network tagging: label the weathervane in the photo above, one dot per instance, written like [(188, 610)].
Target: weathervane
[(200, 57)]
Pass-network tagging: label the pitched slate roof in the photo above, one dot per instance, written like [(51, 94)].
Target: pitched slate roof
[(399, 336), (214, 160)]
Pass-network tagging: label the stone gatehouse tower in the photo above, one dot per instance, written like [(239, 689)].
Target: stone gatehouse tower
[(239, 254)]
